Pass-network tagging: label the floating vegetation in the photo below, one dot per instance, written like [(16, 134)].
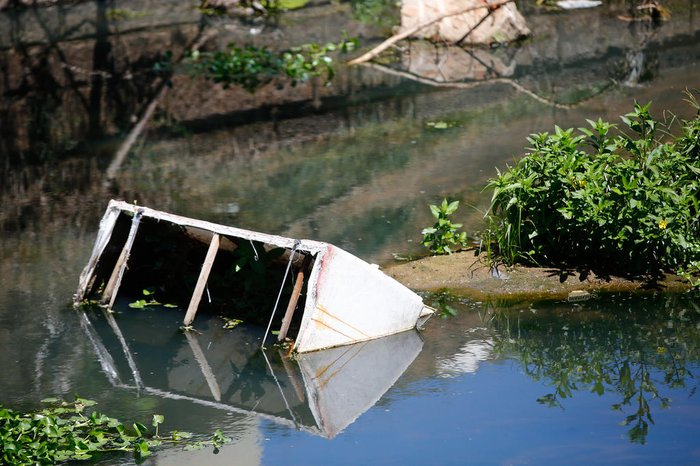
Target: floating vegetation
[(70, 431), (440, 124), (142, 303), (230, 323)]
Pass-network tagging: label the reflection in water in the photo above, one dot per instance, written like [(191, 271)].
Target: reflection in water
[(359, 172), (613, 346), (641, 64), (320, 392), (467, 358), (629, 58)]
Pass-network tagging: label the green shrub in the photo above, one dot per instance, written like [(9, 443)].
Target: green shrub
[(626, 202), (251, 67), (443, 233)]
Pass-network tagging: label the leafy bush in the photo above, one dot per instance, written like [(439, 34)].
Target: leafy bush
[(251, 67), (629, 203), (443, 233)]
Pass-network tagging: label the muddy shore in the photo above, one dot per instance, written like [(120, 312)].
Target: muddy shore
[(466, 274)]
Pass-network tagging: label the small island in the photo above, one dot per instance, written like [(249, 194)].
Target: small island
[(608, 207)]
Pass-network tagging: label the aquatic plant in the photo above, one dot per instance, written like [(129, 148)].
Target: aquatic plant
[(624, 203), (151, 301), (443, 233), (70, 431), (442, 301), (251, 66)]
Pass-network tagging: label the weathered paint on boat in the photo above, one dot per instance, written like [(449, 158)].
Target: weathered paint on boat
[(353, 301)]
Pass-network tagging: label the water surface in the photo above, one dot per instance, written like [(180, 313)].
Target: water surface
[(355, 164)]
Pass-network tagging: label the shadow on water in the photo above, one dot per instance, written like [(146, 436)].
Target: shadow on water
[(72, 78)]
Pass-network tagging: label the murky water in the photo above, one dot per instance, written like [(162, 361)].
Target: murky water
[(545, 383)]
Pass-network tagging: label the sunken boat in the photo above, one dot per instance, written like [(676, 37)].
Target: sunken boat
[(310, 294)]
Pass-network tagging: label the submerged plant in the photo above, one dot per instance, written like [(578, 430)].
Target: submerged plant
[(443, 233), (627, 202), (70, 431), (442, 301)]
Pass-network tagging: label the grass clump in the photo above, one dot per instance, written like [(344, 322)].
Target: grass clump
[(623, 201)]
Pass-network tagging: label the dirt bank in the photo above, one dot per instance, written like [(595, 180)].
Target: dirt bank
[(465, 274)]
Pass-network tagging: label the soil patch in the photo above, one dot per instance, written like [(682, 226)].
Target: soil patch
[(466, 274)]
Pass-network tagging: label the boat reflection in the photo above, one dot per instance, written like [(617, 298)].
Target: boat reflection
[(321, 392)]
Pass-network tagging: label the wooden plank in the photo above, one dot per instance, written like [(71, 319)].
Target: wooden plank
[(305, 245), (202, 280), (110, 292), (103, 236), (291, 307)]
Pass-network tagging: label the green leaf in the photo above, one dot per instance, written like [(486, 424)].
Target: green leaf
[(141, 450), (157, 419), (139, 304), (139, 428), (180, 435), (452, 207), (435, 211)]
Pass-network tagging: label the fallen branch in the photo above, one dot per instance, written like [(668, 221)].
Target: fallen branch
[(409, 32), (469, 85), (125, 147)]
